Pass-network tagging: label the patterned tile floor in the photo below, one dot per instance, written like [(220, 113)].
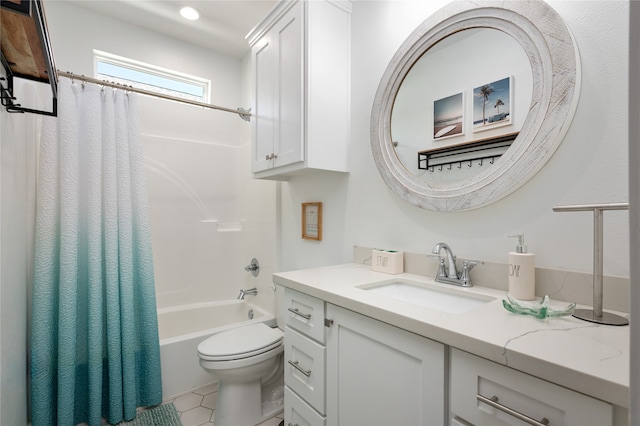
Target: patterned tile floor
[(198, 408)]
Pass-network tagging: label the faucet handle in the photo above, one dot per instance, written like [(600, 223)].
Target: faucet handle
[(253, 267), (442, 268), (467, 266)]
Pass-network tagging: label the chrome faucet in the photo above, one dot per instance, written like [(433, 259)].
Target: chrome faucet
[(449, 274), (452, 271), (249, 292)]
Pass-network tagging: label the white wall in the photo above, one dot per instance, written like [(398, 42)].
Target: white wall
[(634, 205), (196, 161), (20, 133), (590, 166)]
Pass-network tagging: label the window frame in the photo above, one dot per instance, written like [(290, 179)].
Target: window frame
[(153, 71)]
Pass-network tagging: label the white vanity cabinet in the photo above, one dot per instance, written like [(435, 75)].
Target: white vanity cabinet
[(486, 393), (343, 368), (378, 374), (300, 101)]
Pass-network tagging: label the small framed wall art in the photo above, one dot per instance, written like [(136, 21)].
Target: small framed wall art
[(492, 105), (448, 117), (312, 221)]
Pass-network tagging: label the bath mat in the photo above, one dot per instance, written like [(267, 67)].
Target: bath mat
[(163, 415)]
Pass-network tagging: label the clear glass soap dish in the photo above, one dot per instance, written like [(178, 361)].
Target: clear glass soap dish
[(539, 309)]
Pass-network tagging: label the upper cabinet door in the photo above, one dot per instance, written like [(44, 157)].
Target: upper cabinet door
[(289, 142), (262, 122), (301, 65), (278, 102)]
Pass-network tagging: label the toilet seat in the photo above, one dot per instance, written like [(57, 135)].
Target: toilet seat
[(240, 343)]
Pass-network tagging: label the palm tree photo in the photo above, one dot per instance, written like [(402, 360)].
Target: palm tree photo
[(497, 94), (485, 91)]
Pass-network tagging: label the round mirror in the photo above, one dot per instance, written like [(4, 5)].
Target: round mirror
[(459, 114), (474, 102)]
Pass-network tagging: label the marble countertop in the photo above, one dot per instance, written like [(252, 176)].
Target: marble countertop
[(590, 358)]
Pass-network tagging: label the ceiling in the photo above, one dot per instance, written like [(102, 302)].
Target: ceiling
[(222, 26)]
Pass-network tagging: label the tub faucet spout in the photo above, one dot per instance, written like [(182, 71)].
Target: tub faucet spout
[(249, 292)]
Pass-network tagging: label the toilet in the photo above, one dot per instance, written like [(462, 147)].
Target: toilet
[(248, 363)]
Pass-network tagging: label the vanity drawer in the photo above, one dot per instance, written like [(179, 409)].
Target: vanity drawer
[(304, 362), (305, 314), (299, 413), (483, 392)]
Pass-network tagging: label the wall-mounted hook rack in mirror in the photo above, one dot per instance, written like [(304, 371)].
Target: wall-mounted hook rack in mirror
[(485, 149)]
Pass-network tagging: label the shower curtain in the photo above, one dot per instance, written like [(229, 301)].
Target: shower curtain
[(94, 332)]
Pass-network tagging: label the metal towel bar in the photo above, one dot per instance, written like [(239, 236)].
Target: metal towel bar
[(597, 315)]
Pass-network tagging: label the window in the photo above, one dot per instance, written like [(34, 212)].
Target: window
[(149, 77)]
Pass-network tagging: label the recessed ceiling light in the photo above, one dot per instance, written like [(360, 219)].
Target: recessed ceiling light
[(189, 13)]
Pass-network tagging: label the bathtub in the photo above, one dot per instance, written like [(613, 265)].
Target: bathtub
[(181, 330)]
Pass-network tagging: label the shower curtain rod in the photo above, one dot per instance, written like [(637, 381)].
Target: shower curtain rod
[(244, 114)]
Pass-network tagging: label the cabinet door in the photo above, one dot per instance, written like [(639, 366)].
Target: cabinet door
[(289, 141), (278, 98), (378, 374), (264, 103)]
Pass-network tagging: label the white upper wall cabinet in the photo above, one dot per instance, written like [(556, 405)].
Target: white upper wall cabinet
[(301, 88)]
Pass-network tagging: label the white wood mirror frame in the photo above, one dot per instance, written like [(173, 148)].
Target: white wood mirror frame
[(555, 67)]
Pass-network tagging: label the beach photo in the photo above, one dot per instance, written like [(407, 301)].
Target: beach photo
[(448, 117), (492, 105)]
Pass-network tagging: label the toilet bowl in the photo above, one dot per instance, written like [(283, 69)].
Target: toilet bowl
[(247, 361)]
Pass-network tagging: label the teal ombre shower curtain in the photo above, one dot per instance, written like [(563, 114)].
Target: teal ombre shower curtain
[(94, 330)]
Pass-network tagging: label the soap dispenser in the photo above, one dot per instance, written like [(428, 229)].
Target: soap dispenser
[(522, 271)]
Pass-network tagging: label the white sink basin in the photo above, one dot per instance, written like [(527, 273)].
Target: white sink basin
[(451, 300)]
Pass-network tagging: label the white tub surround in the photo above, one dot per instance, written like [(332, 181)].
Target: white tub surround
[(589, 358)]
